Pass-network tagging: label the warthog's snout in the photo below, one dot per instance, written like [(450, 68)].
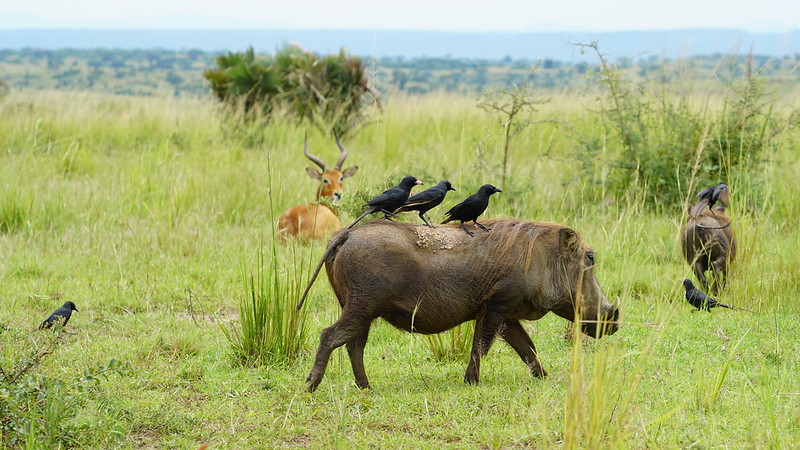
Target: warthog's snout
[(606, 324)]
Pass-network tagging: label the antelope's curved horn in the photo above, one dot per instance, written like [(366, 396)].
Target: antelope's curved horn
[(316, 160), (339, 163)]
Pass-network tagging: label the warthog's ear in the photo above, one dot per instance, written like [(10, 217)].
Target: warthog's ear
[(314, 173), (349, 172), (568, 240)]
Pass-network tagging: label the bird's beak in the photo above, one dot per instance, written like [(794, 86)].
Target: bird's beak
[(499, 190), (76, 309), (419, 182), (452, 189)]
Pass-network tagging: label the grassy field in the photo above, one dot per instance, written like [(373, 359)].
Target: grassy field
[(150, 213)]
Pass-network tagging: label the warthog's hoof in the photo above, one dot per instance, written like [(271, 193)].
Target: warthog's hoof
[(541, 373), (312, 383)]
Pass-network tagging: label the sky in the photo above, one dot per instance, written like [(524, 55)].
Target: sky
[(762, 16)]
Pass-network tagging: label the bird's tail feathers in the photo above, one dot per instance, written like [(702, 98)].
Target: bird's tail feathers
[(366, 213), (733, 307)]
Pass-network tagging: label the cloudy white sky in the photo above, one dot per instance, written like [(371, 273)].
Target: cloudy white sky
[(775, 16)]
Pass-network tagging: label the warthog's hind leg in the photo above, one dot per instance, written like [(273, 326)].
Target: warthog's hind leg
[(355, 349), (485, 331), (350, 328), (719, 274), (700, 267), (518, 339)]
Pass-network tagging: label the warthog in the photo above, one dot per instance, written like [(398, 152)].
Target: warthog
[(708, 242), (427, 280)]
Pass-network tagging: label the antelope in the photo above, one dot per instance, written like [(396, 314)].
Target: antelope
[(315, 220)]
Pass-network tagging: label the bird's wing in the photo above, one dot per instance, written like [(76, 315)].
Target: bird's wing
[(388, 195), (477, 202), (706, 192), (424, 197)]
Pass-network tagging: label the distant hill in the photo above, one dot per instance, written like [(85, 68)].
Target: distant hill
[(415, 44)]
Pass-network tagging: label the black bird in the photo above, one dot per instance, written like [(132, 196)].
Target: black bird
[(710, 196), (427, 200), (64, 312), (390, 199), (700, 300), (471, 208)]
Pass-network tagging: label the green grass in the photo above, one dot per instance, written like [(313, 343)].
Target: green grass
[(145, 211)]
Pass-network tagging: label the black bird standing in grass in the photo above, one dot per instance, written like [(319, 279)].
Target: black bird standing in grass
[(390, 199), (427, 200), (471, 208), (64, 312), (700, 300), (710, 196)]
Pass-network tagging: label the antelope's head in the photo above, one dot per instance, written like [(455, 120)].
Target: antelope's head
[(330, 179)]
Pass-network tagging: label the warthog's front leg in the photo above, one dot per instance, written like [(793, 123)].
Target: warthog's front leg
[(518, 339)]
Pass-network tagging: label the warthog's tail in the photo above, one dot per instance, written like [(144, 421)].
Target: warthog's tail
[(333, 245), (714, 228)]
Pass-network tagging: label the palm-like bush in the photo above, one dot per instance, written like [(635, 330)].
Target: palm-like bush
[(331, 92)]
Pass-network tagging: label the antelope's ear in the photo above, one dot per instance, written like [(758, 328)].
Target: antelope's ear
[(349, 172), (568, 240), (314, 173)]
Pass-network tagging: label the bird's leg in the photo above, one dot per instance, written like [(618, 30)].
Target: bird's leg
[(480, 225), (465, 229), (387, 214), (421, 216)]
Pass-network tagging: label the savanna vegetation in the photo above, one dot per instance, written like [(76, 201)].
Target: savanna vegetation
[(156, 216)]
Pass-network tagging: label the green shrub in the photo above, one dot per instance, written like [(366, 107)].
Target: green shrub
[(659, 149), (331, 92)]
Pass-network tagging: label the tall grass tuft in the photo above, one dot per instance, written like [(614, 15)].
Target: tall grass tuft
[(271, 330), (453, 344), (14, 212)]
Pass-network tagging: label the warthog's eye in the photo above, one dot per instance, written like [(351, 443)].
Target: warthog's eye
[(589, 258)]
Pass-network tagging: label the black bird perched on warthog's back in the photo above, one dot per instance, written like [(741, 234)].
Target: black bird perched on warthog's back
[(64, 312), (389, 200), (700, 300), (710, 196), (471, 208), (427, 200)]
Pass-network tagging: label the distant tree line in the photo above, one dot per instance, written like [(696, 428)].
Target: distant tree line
[(166, 72)]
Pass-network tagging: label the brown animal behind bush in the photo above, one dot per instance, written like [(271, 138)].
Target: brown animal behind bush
[(708, 243), (428, 280)]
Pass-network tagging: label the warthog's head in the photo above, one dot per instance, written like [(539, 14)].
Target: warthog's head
[(580, 294)]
